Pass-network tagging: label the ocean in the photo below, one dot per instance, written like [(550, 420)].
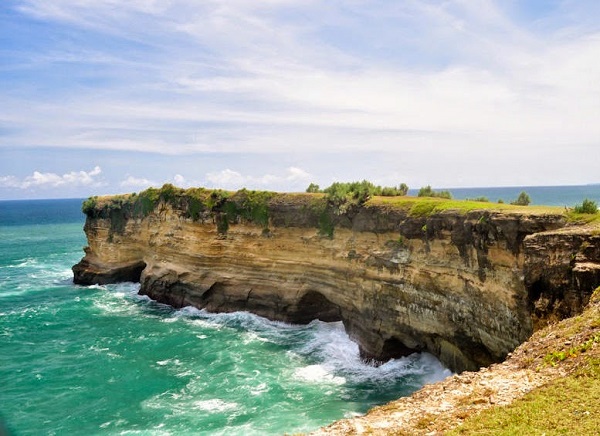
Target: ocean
[(104, 360), (567, 196)]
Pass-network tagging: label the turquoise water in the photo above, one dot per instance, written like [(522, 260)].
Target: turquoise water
[(103, 360)]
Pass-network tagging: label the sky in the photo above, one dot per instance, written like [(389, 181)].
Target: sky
[(109, 96)]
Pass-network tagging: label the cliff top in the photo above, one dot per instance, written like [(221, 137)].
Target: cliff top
[(324, 211), (211, 198)]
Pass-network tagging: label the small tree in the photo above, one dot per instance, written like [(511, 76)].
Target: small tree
[(444, 194), (522, 200), (588, 206), (313, 188), (403, 188), (426, 191), (89, 205)]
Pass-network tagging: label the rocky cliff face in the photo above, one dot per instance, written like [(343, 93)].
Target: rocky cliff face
[(467, 287)]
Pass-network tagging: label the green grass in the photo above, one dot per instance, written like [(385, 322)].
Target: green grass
[(583, 218), (425, 206), (554, 357), (253, 206), (565, 406)]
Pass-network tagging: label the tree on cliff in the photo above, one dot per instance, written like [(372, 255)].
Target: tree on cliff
[(313, 188), (426, 191), (588, 206), (523, 199), (362, 189)]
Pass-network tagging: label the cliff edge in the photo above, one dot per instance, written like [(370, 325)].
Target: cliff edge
[(548, 385), (465, 281)]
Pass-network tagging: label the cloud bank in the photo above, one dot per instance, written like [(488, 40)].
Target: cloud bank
[(53, 180)]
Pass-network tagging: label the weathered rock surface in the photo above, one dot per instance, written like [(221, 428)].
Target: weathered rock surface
[(437, 408), (467, 287)]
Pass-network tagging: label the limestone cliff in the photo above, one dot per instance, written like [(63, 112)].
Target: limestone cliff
[(467, 286)]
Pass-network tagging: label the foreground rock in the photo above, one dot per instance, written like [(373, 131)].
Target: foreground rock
[(467, 287), (443, 406)]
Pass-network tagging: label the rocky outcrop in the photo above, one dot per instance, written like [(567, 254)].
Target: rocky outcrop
[(567, 349), (466, 286), (89, 271), (561, 269)]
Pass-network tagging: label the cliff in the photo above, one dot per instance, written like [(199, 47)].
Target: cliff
[(549, 385), (466, 283)]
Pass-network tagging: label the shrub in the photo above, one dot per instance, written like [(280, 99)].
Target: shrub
[(394, 191), (403, 188), (343, 195), (522, 200), (326, 225), (216, 199), (588, 206), (89, 206), (313, 188), (426, 191), (480, 199), (250, 205)]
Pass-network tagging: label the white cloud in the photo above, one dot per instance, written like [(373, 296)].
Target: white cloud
[(298, 174), (226, 179), (179, 180), (293, 178), (53, 180), (480, 82), (9, 182), (142, 183), (182, 182), (137, 182)]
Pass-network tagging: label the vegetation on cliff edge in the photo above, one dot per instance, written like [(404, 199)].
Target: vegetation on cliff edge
[(426, 191), (197, 203), (342, 196), (225, 208), (426, 206), (522, 200)]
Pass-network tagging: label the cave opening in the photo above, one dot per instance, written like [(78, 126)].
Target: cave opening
[(314, 305)]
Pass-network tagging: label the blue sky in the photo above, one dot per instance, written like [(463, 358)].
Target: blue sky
[(106, 96)]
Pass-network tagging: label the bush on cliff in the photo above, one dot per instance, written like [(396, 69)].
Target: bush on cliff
[(359, 188), (588, 206), (522, 200), (252, 206), (313, 188), (343, 195), (426, 191), (89, 206)]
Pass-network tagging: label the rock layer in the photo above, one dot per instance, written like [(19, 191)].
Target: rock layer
[(467, 287)]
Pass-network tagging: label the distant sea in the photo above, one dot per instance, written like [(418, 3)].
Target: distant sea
[(567, 196)]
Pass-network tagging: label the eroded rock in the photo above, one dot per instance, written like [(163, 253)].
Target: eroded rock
[(467, 287)]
